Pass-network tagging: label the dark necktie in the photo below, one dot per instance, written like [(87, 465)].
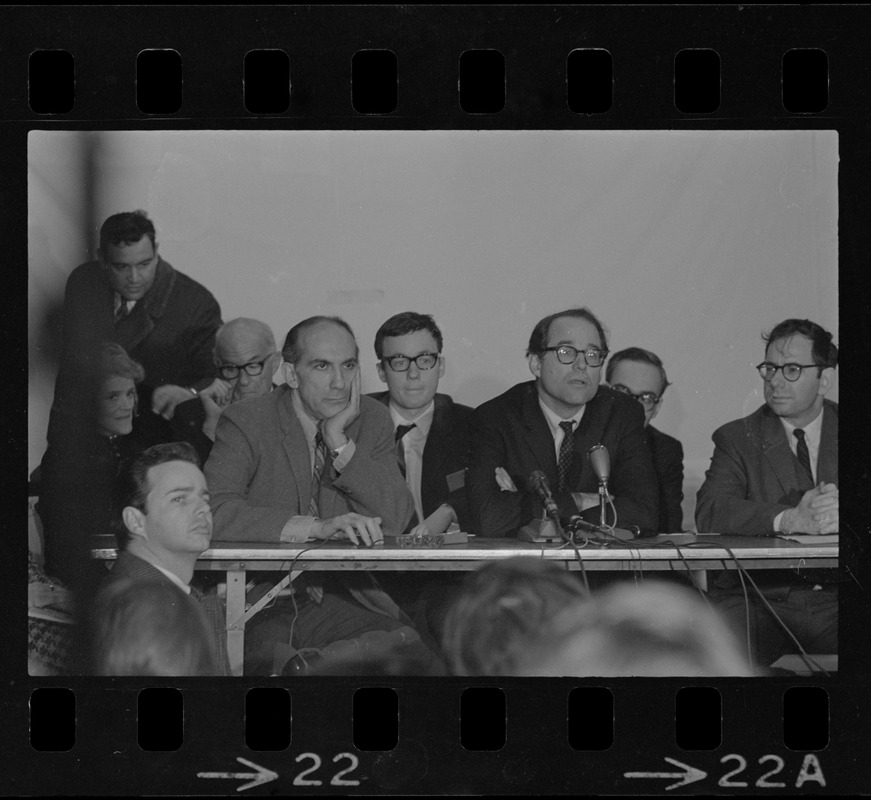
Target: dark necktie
[(317, 473), (566, 453), (401, 430), (804, 457), (121, 312)]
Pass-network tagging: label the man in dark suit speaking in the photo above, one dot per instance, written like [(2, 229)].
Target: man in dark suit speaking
[(776, 471), (550, 424)]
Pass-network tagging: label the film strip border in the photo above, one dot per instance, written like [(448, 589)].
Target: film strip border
[(429, 68), (407, 66), (554, 737)]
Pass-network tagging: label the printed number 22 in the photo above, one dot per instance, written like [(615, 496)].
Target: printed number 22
[(762, 782), (337, 780)]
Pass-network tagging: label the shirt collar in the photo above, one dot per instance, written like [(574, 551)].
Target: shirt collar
[(812, 431), (553, 419), (423, 421), (309, 426)]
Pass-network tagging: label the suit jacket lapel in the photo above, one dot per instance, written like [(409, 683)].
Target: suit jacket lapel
[(140, 323), (778, 453), (537, 434), (296, 447), (827, 457)]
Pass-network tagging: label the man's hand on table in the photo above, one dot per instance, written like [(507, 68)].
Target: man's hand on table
[(354, 527), (817, 512)]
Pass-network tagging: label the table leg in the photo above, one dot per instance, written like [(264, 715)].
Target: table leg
[(235, 621)]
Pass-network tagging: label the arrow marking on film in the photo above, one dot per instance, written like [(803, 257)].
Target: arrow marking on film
[(262, 775), (689, 774)]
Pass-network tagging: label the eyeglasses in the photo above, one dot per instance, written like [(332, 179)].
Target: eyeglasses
[(647, 399), (401, 363), (792, 372), (230, 372), (566, 354)]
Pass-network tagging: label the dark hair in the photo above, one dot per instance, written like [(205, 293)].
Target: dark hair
[(404, 323), (291, 353), (126, 228), (637, 354), (823, 351), (500, 613), (538, 337), (132, 486), (151, 628)]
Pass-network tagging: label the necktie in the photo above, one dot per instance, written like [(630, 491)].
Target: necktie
[(566, 453), (401, 430), (121, 312), (801, 451), (317, 473)]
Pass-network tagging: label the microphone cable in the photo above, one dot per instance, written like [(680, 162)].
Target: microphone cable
[(743, 572)]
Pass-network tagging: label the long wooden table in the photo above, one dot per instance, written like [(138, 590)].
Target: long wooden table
[(667, 552)]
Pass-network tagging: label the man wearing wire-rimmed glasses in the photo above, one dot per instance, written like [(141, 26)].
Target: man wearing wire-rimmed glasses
[(549, 425), (776, 471)]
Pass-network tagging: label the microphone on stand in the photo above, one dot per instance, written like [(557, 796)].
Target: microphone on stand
[(600, 461), (545, 530), (538, 483)]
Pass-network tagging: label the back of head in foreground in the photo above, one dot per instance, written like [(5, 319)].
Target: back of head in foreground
[(494, 625), (653, 630), (150, 628)]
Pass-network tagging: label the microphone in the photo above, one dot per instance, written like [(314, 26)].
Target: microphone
[(600, 461), (538, 483)]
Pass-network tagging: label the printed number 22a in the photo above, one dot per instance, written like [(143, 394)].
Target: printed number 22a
[(810, 771)]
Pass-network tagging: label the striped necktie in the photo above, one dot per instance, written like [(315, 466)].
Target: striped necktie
[(317, 473)]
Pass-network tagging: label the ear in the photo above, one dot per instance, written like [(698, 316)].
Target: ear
[(827, 380), (272, 364), (655, 411), (134, 521), (534, 362), (290, 376), (155, 248), (441, 367), (381, 373)]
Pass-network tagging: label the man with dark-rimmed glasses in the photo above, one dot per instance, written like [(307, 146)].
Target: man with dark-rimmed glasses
[(640, 374), (246, 359), (549, 425), (776, 471)]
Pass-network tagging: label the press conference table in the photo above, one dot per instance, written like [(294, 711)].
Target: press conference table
[(667, 552)]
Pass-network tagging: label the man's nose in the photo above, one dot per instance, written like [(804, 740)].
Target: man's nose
[(244, 377), (413, 371), (338, 381), (580, 362)]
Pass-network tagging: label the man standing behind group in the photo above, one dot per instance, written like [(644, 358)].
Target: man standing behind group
[(776, 471), (246, 358), (550, 424), (430, 428), (163, 319), (640, 374)]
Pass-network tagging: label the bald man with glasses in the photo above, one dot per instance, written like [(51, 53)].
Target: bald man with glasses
[(246, 358), (776, 471)]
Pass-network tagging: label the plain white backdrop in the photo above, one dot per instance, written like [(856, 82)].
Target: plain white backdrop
[(688, 243)]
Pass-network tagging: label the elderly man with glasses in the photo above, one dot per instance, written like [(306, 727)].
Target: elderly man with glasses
[(776, 471), (640, 374), (549, 425), (246, 359)]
